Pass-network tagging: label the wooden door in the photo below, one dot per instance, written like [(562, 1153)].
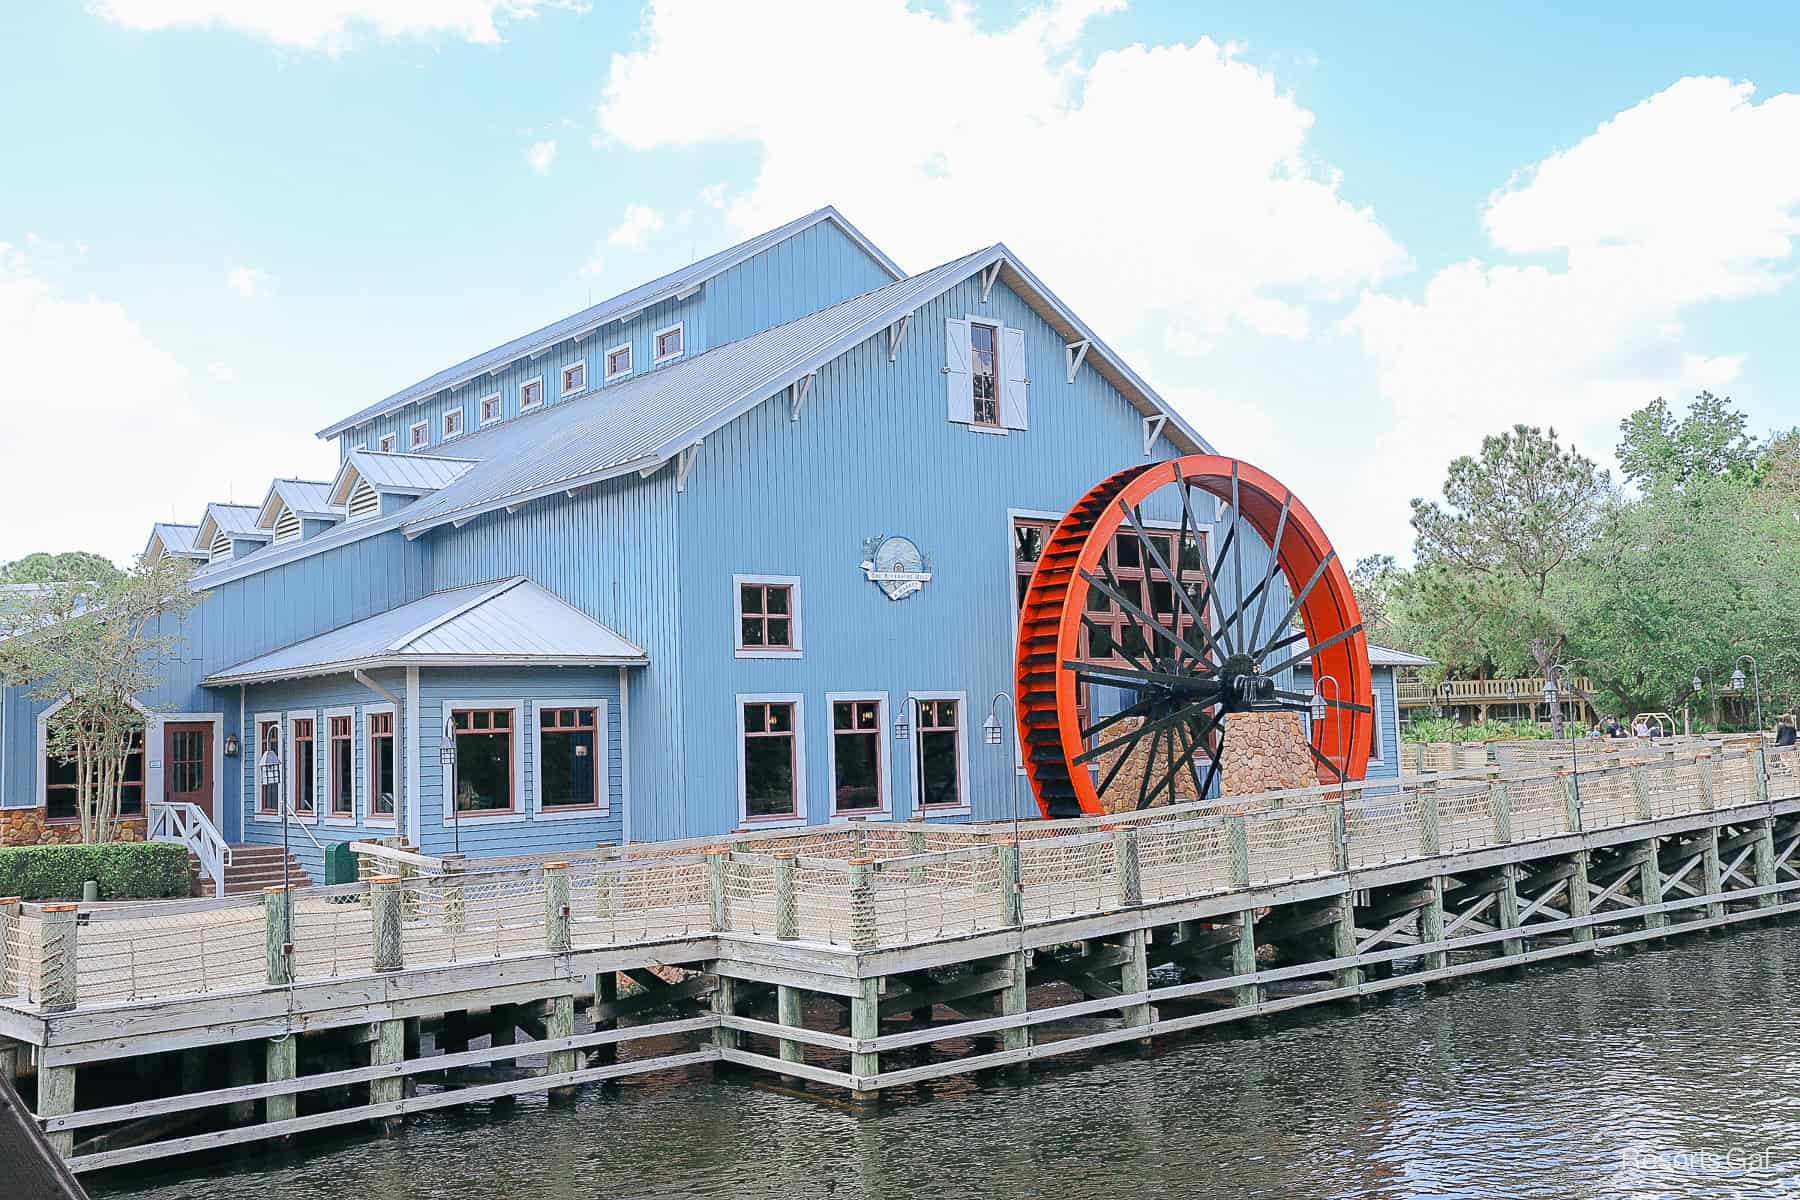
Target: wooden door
[(187, 764)]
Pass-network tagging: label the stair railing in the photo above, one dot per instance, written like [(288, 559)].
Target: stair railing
[(188, 825)]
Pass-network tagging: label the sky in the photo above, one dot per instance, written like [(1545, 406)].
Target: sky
[(1346, 241)]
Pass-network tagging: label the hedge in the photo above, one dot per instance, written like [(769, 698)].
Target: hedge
[(124, 870)]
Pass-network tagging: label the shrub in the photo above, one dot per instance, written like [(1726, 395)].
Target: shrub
[(124, 870), (1439, 729)]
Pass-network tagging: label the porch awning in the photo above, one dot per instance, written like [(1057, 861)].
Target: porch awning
[(513, 623)]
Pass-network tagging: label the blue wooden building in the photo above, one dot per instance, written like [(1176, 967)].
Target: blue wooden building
[(677, 564)]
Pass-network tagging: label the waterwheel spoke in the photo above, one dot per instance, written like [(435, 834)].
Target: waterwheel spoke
[(1282, 644), (1300, 598), (1332, 766), (1306, 699), (1134, 677), (1094, 627), (1168, 777), (1142, 731), (1307, 653), (1140, 709), (1144, 776), (1206, 575), (1237, 553), (1156, 557), (1189, 745), (1262, 608), (1142, 618)]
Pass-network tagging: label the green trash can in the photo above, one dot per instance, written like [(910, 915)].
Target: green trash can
[(340, 864)]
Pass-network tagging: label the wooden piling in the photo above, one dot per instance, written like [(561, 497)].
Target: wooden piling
[(57, 968), (1710, 870), (387, 1046), (1650, 886), (1580, 897), (1243, 959), (388, 948), (557, 933), (787, 908), (1431, 925), (1506, 909), (56, 1098), (1764, 858), (1128, 889)]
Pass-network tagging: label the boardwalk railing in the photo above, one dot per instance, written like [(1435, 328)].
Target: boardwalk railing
[(864, 887)]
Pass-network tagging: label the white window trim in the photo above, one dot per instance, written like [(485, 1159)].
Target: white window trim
[(792, 582), (462, 420), (962, 806), (538, 403), (521, 803), (602, 748), (417, 443), (355, 774), (999, 328), (153, 765), (43, 751), (562, 378), (606, 361), (365, 778), (499, 400), (287, 758), (745, 820), (884, 740), (253, 805), (1379, 754), (657, 359), (388, 443)]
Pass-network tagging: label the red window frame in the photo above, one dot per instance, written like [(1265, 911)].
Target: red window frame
[(579, 371), (305, 770), (531, 394), (576, 719), (984, 367), (381, 740), (795, 766), (474, 728), (865, 722), (493, 402), (760, 617), (661, 349), (932, 721), (618, 362), (341, 767)]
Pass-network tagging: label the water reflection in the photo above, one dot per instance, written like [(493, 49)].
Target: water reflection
[(1611, 1080)]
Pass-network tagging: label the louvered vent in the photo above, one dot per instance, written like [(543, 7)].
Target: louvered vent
[(364, 500), (287, 526), (221, 547)]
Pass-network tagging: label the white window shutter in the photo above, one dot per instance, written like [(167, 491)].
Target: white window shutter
[(1015, 387), (956, 370)]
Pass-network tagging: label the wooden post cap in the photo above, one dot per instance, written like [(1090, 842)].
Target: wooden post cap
[(277, 887), (862, 862), (62, 908), (556, 866), (11, 900), (785, 855), (384, 879)]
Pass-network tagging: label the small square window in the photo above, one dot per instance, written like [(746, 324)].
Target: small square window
[(574, 377), (669, 343), (388, 443), (618, 361), (453, 422), (490, 409), (419, 435), (768, 618), (531, 394)]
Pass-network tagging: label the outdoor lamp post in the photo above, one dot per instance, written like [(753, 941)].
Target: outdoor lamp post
[(447, 758), (903, 732), (1712, 683), (268, 771), (1737, 683), (1319, 705), (994, 734), (1551, 697), (1444, 699)]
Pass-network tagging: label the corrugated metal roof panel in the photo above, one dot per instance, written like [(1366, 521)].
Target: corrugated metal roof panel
[(176, 539), (624, 304), (513, 622)]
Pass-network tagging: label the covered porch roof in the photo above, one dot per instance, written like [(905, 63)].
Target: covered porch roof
[(513, 622)]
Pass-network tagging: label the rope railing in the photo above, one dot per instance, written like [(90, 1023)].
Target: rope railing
[(862, 887)]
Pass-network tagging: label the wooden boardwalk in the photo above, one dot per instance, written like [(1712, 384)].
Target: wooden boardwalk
[(943, 949)]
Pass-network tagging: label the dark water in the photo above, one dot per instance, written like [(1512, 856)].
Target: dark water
[(1664, 1073)]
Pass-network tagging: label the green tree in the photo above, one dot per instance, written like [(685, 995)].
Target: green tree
[(74, 566), (1515, 520), (1712, 441), (98, 646)]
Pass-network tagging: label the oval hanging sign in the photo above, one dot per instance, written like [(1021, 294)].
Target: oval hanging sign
[(895, 565)]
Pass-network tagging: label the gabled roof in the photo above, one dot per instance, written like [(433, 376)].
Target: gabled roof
[(310, 498), (640, 423), (510, 623), (672, 286), (237, 520), (175, 539), (1384, 656), (406, 474)]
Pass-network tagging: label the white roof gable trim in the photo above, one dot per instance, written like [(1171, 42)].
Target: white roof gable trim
[(398, 474), (511, 623)]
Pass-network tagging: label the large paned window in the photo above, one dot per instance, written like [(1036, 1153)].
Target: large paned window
[(1111, 632), (939, 768), (570, 775), (342, 768), (304, 769), (381, 766), (484, 760), (268, 794), (856, 767), (771, 753), (62, 785), (984, 373)]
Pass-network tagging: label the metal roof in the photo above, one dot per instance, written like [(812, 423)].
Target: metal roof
[(626, 304), (1384, 656), (409, 474), (514, 622), (237, 520), (176, 539), (640, 423), (303, 497)]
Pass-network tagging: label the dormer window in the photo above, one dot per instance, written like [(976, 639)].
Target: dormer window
[(365, 501), (419, 436), (574, 378), (388, 443), (618, 361), (221, 547), (287, 526), (490, 409), (668, 343), (453, 423), (531, 394)]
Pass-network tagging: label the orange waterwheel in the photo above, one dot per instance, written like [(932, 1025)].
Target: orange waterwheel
[(1191, 625)]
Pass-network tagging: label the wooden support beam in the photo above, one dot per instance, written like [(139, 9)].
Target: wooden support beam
[(387, 1048), (976, 983), (865, 1022), (1134, 976), (281, 1060), (897, 336), (1243, 959), (1343, 942), (1650, 885), (1765, 860), (1074, 353), (1581, 894), (1431, 926), (1506, 909), (1711, 879), (789, 1012)]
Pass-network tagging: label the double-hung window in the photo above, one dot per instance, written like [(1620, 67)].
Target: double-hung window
[(453, 423), (388, 443), (304, 768), (618, 361), (668, 343), (341, 776), (984, 373), (484, 760), (490, 409), (772, 767), (574, 378), (531, 394), (381, 766), (858, 774), (938, 765), (984, 369), (570, 773), (418, 436)]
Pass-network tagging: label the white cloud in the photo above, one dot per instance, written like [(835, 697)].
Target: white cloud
[(247, 282), (223, 372), (640, 223), (1689, 197), (1167, 191), (103, 446), (541, 155), (328, 24), (594, 266)]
